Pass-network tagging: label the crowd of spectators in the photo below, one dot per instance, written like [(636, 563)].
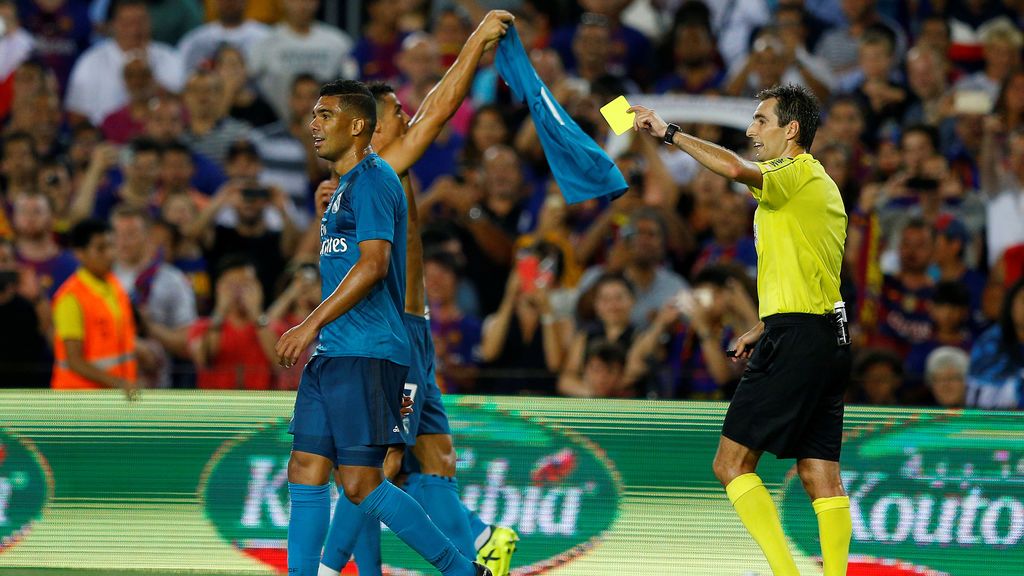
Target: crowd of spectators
[(157, 150)]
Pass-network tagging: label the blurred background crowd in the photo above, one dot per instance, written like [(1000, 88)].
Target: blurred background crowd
[(180, 126)]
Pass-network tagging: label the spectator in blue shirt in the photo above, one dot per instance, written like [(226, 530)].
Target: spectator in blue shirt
[(996, 377)]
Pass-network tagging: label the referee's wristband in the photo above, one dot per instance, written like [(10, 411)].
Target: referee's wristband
[(670, 134)]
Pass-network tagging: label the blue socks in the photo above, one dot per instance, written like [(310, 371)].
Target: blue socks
[(349, 522), (307, 527), (410, 523), (439, 497)]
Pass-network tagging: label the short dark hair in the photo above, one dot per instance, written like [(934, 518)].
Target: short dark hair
[(874, 356), (356, 96), (82, 234), (143, 144), (928, 131), (303, 77), (443, 259), (614, 278), (380, 90), (179, 147), (128, 211), (794, 102), (19, 135), (607, 352), (951, 293), (116, 5), (234, 261)]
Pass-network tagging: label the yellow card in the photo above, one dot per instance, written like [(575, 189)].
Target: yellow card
[(615, 114)]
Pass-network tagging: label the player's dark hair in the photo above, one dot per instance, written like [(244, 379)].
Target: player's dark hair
[(380, 90), (355, 96), (82, 234), (607, 352), (797, 103)]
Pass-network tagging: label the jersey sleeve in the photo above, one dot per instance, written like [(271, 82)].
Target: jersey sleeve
[(378, 208), (781, 179), (68, 323)]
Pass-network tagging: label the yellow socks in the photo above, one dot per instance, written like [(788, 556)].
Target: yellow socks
[(754, 505), (834, 529)]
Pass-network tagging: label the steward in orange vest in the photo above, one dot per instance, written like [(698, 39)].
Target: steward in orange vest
[(94, 343)]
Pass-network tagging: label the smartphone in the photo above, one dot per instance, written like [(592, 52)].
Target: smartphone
[(923, 184), (8, 278), (972, 102), (257, 193), (528, 269)]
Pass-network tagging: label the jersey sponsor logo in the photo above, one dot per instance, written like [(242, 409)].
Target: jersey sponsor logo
[(940, 494), (333, 246), (778, 162), (26, 485), (557, 489)]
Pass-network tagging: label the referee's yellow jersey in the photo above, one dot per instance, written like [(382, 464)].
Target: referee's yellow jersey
[(799, 232)]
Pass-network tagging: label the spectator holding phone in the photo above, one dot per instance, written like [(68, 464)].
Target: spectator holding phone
[(293, 305), (24, 353), (523, 343)]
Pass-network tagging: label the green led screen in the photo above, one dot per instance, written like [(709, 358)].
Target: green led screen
[(195, 483)]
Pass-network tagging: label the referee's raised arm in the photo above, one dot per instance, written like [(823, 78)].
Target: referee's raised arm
[(719, 160)]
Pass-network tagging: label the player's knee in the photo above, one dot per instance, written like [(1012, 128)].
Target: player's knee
[(306, 469), (437, 458), (819, 483), (724, 470), (355, 490)]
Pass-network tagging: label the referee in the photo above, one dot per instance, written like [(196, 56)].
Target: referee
[(790, 400)]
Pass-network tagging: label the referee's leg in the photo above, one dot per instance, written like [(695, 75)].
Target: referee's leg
[(734, 467), (822, 481)]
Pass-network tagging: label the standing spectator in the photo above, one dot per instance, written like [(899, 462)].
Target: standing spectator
[(179, 211), (210, 131), (97, 85), (18, 165), (1009, 107), (165, 125), (172, 19), (233, 347), (16, 46), (626, 50), (299, 45), (129, 121), (420, 64), (876, 82), (695, 69), (1002, 42), (487, 128), (929, 103), (230, 27), (640, 255), (523, 344), (35, 246), (593, 53), (241, 96), (176, 171), (24, 353), (159, 291), (54, 180), (613, 305), (773, 61), (730, 240), (905, 295), (996, 377), (140, 167), (456, 334), (62, 32), (94, 343), (293, 305), (378, 46), (286, 148), (1002, 181), (946, 375), (951, 246)]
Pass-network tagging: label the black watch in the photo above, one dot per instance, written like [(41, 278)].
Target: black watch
[(670, 133)]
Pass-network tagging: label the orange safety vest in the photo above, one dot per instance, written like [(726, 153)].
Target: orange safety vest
[(109, 341)]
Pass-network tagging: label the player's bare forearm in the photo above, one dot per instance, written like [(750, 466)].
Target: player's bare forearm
[(371, 268), (720, 160)]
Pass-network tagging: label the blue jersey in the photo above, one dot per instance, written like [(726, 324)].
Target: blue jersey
[(369, 204)]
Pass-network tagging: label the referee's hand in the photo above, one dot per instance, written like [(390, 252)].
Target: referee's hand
[(648, 120), (745, 344)]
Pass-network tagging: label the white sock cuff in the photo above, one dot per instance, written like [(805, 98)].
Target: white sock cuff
[(326, 571)]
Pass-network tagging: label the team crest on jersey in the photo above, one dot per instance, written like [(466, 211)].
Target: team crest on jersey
[(336, 205)]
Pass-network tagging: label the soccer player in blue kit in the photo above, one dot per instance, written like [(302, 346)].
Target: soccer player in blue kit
[(401, 142), (348, 406)]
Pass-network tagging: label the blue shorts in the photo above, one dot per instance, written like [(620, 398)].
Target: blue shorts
[(347, 403), (428, 415)]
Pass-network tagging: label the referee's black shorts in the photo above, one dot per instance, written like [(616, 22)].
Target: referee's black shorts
[(790, 399)]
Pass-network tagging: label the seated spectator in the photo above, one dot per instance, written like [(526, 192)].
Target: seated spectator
[(176, 171), (25, 358), (774, 61), (1002, 42), (946, 375), (159, 291), (603, 374), (639, 255), (523, 344), (839, 46), (949, 265), (1002, 181), (241, 96), (16, 44), (877, 378), (487, 128), (592, 56), (54, 181), (682, 353), (35, 246), (234, 347), (623, 49), (96, 88), (377, 48), (179, 212), (165, 125), (950, 317), (300, 298), (300, 45), (286, 148), (94, 328), (456, 333), (229, 28), (929, 102), (140, 169), (129, 121), (903, 303), (172, 19), (996, 377), (420, 64), (18, 165), (877, 83), (62, 32), (613, 304), (209, 130)]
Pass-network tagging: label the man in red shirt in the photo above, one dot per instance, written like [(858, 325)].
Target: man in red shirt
[(233, 347)]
